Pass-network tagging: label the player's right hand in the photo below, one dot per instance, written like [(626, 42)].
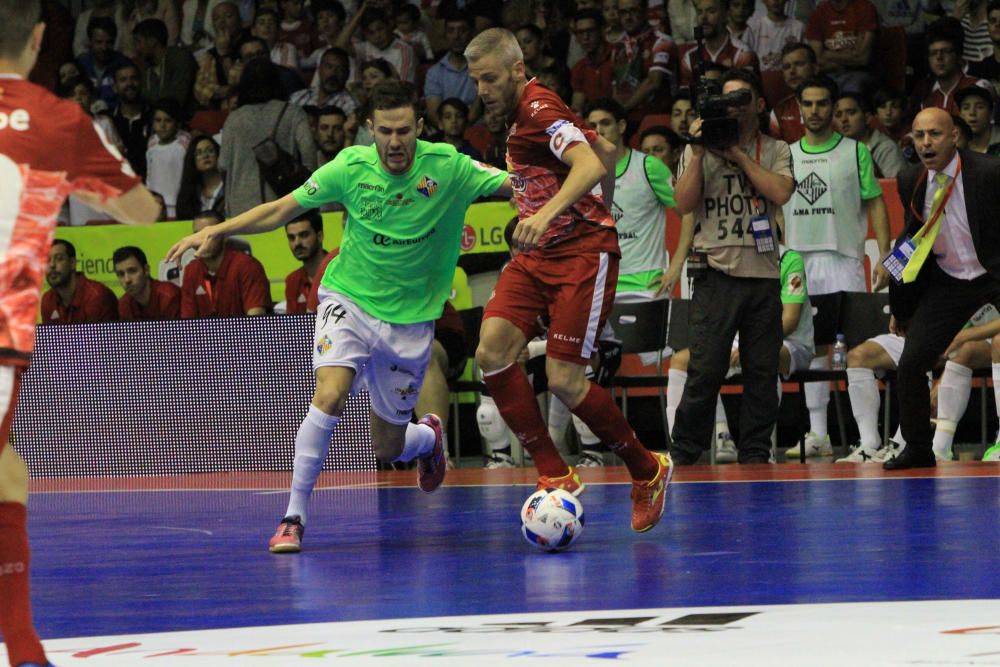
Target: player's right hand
[(695, 132), (528, 232), (196, 241), (666, 282)]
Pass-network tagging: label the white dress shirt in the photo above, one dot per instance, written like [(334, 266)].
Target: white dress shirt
[(953, 247)]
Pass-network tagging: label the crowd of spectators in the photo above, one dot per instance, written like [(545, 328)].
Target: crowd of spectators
[(186, 89)]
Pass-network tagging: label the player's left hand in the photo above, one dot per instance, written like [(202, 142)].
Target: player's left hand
[(880, 278), (664, 284), (529, 231)]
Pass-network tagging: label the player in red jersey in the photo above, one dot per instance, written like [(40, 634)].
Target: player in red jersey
[(565, 273), (48, 149)]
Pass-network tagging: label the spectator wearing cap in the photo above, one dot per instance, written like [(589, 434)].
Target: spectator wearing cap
[(975, 106), (944, 40), (853, 117)]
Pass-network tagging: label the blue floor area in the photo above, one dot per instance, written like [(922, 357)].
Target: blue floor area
[(114, 563)]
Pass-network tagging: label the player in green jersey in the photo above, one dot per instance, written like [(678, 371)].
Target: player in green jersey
[(406, 201)]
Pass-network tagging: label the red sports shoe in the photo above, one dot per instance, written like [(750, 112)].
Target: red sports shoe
[(432, 467), (649, 498), (568, 482), (288, 538)]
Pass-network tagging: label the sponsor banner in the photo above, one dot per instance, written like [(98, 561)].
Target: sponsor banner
[(947, 632), (483, 232)]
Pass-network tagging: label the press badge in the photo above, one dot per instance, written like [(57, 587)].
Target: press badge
[(763, 237), (897, 260)]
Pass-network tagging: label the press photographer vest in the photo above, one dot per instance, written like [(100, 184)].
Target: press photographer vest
[(640, 219), (826, 211)]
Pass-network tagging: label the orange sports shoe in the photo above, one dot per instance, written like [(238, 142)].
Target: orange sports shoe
[(649, 498), (568, 482)]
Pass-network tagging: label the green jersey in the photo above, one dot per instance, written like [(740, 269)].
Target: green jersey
[(794, 290), (401, 244)]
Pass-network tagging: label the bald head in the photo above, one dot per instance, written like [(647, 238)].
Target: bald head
[(935, 137)]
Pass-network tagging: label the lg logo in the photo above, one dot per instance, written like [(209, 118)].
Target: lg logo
[(18, 120)]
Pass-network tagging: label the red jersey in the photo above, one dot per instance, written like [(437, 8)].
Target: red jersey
[(593, 79), (633, 57), (786, 121), (312, 300), (841, 29), (298, 287), (733, 53), (91, 302), (49, 148), (239, 285), (164, 303), (542, 129), (945, 99)]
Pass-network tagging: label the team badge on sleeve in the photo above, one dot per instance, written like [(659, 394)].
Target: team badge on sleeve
[(427, 186), (796, 285), (323, 345)]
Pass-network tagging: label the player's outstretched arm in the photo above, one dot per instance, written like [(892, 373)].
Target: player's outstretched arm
[(135, 207), (263, 218)]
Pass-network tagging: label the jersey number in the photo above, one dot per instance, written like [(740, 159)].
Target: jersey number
[(336, 311), (736, 229)]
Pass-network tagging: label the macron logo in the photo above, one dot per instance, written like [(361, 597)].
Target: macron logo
[(17, 120)]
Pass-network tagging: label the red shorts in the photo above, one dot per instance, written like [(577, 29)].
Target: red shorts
[(10, 383), (572, 293)]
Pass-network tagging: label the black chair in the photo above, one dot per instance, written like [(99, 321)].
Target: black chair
[(471, 320), (858, 316), (642, 327)]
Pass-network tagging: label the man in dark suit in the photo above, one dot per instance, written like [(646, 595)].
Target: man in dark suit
[(168, 71), (961, 273)]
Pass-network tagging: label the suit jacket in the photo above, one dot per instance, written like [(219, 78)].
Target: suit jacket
[(176, 80), (981, 187)]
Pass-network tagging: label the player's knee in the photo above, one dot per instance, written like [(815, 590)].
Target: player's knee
[(330, 399), (387, 449), (491, 356), (568, 382), (680, 359), (862, 356), (13, 477)]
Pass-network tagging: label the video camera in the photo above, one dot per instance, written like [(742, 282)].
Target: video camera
[(718, 129)]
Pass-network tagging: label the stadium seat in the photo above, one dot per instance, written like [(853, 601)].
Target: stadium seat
[(642, 327), (469, 381)]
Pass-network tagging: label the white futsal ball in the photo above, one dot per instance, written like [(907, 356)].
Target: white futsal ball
[(552, 519)]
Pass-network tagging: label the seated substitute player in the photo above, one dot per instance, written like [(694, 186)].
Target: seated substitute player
[(74, 298), (49, 148), (566, 270), (144, 297), (222, 281), (305, 240), (406, 200)]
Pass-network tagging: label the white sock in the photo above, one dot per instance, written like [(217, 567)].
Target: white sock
[(953, 398), (721, 423), (419, 442), (675, 391), (312, 442), (862, 388), (492, 427), (817, 398), (559, 416), (996, 386), (898, 436)]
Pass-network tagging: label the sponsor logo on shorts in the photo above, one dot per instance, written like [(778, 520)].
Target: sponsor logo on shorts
[(427, 186), (567, 339), (323, 345), (406, 392)]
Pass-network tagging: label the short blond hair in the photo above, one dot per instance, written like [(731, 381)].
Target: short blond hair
[(495, 41)]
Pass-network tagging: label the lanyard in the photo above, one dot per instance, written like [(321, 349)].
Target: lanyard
[(944, 200), (753, 198)]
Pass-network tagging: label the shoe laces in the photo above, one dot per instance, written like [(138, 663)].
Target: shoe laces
[(290, 528)]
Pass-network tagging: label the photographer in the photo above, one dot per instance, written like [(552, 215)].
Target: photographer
[(730, 190)]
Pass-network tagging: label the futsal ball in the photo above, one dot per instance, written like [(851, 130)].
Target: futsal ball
[(552, 519)]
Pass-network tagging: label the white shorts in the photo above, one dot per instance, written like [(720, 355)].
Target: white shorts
[(801, 356), (389, 359), (828, 272), (892, 344)]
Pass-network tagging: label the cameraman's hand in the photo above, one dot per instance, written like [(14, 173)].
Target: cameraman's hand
[(697, 150)]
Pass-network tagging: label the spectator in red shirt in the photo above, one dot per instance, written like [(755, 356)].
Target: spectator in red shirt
[(223, 282), (798, 63), (144, 297), (842, 33), (645, 61), (305, 239), (945, 38), (592, 76), (74, 298), (719, 46)]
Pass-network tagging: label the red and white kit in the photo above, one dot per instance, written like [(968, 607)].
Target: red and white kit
[(569, 279), (41, 163)]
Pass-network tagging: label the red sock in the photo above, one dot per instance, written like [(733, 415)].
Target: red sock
[(599, 411), (515, 399), (15, 602)]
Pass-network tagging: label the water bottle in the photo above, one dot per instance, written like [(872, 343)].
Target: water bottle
[(839, 359)]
